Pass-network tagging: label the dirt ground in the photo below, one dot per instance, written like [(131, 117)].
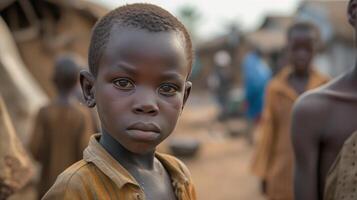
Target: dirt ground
[(221, 168)]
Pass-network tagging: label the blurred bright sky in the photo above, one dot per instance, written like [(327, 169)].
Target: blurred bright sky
[(217, 14)]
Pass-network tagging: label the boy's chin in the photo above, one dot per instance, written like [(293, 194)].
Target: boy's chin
[(141, 148)]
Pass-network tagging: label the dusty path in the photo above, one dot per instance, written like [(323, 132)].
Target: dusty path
[(221, 169)]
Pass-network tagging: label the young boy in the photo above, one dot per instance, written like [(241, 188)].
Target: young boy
[(322, 121), (62, 128), (274, 159), (140, 58)]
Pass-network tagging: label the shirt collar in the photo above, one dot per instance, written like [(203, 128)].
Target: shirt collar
[(173, 168), (315, 80), (97, 155)]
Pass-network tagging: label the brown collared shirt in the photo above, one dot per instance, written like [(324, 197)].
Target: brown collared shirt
[(100, 176)]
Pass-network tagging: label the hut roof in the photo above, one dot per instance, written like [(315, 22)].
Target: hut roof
[(95, 9), (267, 40)]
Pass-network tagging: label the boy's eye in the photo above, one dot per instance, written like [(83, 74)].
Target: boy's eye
[(124, 84), (168, 89)]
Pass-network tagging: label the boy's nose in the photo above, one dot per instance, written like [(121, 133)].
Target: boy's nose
[(146, 103), (146, 109)]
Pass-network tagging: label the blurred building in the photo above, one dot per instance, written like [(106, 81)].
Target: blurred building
[(270, 39), (337, 54), (205, 51)]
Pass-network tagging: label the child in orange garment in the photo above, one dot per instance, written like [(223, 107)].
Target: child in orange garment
[(274, 159)]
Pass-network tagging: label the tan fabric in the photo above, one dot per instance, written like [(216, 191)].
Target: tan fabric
[(341, 182), (60, 135), (15, 166), (100, 175), (273, 159)]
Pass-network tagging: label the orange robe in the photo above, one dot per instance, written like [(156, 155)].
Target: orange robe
[(274, 156), (60, 135), (15, 166)]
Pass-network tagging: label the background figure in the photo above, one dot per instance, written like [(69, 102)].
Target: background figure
[(273, 161), (221, 82), (62, 128), (15, 166), (256, 76), (323, 120)]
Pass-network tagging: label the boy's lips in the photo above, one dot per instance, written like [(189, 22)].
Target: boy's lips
[(146, 127), (144, 131)]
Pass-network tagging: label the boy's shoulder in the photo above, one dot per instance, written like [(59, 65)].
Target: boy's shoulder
[(79, 168), (179, 174), (318, 100), (71, 183), (312, 106)]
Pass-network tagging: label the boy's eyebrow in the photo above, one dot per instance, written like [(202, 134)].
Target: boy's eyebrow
[(130, 69), (126, 67), (172, 75)]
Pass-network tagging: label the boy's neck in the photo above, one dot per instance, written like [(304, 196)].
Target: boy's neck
[(126, 158), (300, 74)]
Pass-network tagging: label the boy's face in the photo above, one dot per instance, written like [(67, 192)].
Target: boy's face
[(141, 86), (301, 49)]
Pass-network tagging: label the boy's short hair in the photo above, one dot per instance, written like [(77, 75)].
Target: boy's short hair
[(140, 15), (303, 26)]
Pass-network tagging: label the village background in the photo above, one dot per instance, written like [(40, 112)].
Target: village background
[(34, 32)]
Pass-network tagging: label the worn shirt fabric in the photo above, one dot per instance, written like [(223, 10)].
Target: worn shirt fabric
[(341, 182), (60, 135), (16, 168), (273, 159), (100, 176)]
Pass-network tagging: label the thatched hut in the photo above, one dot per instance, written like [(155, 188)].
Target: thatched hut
[(33, 33)]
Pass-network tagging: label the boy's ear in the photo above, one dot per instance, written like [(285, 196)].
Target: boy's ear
[(87, 83), (352, 12), (188, 87)]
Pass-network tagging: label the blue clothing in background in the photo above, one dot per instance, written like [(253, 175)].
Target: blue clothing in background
[(256, 75)]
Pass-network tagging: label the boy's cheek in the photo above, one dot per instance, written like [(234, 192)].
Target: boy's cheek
[(175, 102)]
